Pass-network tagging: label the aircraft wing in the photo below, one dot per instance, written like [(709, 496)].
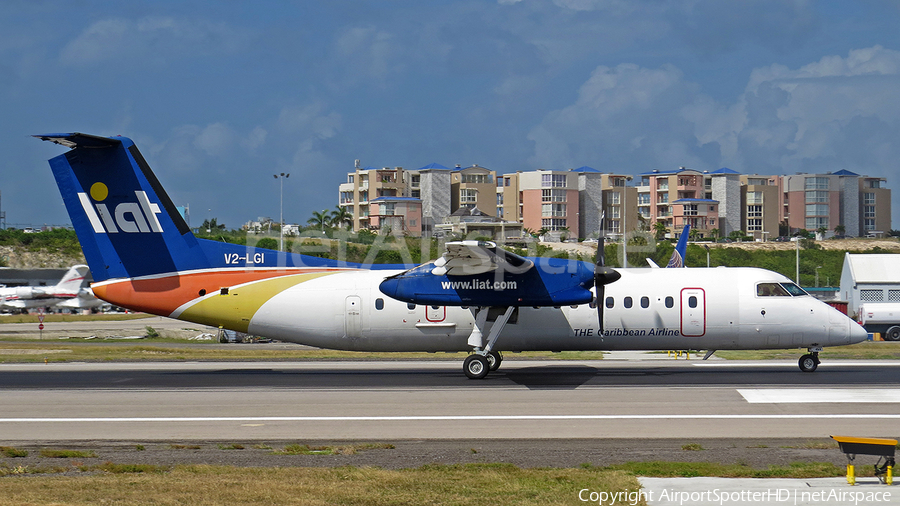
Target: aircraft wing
[(477, 273), (464, 258)]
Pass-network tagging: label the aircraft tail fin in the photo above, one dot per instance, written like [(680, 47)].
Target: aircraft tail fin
[(73, 280), (125, 221), (678, 255)]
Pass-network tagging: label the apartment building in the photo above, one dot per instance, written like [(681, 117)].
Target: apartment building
[(473, 187), (875, 206), (599, 193), (366, 184), (658, 192), (431, 184), (396, 215), (860, 204), (762, 199), (549, 200)]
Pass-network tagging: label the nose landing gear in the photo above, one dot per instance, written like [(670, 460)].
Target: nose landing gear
[(810, 361)]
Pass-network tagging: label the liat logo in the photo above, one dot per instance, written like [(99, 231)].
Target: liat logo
[(128, 217)]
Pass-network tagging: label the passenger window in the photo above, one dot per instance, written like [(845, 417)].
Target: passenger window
[(379, 304), (610, 302), (645, 302), (670, 302), (771, 290), (692, 301), (627, 303)]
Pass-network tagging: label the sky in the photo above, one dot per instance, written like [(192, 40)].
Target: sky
[(219, 96)]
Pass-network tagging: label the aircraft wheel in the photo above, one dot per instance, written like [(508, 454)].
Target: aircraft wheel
[(892, 334), (808, 363), (476, 366), (494, 359)]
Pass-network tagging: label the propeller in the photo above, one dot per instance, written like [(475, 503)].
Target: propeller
[(603, 275)]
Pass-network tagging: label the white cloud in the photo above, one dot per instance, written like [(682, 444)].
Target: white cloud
[(149, 39), (839, 112), (368, 52)]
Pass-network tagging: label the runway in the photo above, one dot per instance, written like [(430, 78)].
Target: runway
[(393, 400)]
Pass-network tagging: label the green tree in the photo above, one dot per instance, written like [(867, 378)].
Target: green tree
[(660, 229), (211, 225), (840, 230), (341, 217), (267, 243), (320, 219)]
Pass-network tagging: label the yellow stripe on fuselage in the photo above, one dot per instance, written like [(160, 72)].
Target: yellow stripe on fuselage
[(235, 310)]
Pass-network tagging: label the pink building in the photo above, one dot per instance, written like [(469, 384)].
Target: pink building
[(701, 214), (549, 200), (396, 215)]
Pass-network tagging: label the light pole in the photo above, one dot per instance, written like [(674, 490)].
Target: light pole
[(797, 245), (281, 215), (707, 255)]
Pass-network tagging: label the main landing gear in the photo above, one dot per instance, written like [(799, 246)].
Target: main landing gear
[(484, 359), (810, 361)]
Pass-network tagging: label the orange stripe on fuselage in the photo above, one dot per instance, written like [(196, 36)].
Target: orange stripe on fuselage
[(164, 295)]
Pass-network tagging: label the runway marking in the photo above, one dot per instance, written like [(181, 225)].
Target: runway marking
[(170, 419), (819, 395)]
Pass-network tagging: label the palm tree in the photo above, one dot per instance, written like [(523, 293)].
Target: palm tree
[(840, 230), (320, 218), (660, 229), (340, 217)]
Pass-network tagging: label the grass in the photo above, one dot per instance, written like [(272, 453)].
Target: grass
[(301, 449), (68, 351), (10, 452), (146, 484), (874, 350), (203, 485), (664, 469), (67, 454), (54, 318), (692, 447)]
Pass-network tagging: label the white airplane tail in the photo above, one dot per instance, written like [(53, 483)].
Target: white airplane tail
[(73, 280)]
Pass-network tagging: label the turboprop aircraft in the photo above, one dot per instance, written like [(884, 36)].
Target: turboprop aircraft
[(27, 297), (476, 297)]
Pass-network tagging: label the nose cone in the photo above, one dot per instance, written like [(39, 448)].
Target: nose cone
[(857, 333), (389, 287)]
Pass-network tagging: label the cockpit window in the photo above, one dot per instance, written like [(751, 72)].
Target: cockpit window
[(771, 290), (794, 290)]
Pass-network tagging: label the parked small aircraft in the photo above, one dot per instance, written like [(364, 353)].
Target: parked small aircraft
[(476, 296), (27, 297)]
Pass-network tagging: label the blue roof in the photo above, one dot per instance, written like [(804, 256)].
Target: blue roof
[(725, 170), (694, 200), (395, 198), (434, 166), (845, 172), (666, 172), (584, 169), (369, 167)]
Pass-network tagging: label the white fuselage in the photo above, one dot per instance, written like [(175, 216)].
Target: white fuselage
[(670, 309)]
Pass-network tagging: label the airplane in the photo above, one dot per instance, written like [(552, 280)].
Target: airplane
[(476, 297), (84, 299), (680, 253), (28, 297)]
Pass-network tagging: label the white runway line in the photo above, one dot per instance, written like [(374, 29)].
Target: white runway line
[(819, 395), (172, 419)]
